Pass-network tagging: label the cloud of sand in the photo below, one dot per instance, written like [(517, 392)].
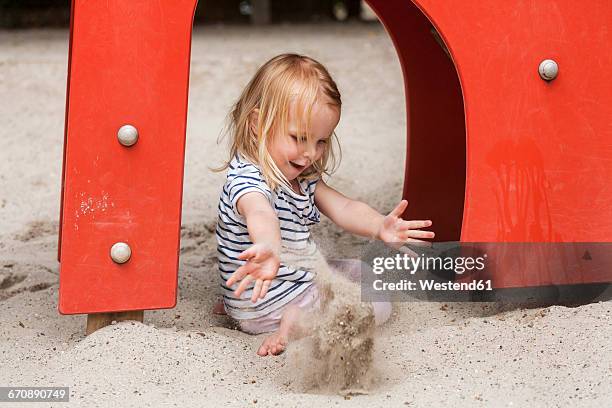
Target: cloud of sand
[(337, 355)]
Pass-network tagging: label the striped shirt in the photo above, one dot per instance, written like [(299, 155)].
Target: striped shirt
[(295, 212)]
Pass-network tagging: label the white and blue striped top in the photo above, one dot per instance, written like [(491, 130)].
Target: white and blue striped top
[(296, 212)]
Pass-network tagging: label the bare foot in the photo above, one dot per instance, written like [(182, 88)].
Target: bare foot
[(273, 345), (289, 328), (219, 308)]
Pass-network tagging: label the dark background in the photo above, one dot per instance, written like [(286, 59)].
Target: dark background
[(56, 13)]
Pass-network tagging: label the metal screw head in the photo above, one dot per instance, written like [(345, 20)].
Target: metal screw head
[(127, 135), (548, 70), (120, 252)]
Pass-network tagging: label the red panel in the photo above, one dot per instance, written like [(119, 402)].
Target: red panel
[(538, 155), (129, 64)]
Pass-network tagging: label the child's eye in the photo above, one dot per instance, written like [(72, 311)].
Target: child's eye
[(298, 139), (322, 142)]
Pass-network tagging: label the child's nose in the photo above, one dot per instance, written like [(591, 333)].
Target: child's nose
[(310, 151)]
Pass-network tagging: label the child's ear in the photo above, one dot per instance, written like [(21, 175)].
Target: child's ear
[(254, 120)]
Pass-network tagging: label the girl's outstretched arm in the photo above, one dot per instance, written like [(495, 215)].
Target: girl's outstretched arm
[(359, 218), (263, 257)]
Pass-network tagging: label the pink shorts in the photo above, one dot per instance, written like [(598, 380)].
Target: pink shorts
[(309, 299), (306, 300)]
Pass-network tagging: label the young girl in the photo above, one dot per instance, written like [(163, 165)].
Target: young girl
[(281, 131)]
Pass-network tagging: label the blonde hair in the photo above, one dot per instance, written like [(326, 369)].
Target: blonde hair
[(270, 92)]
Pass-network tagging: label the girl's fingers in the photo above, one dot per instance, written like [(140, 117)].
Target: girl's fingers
[(399, 209), (264, 288), (419, 234), (243, 285), (256, 253), (248, 253), (256, 290), (235, 277), (240, 273), (410, 225)]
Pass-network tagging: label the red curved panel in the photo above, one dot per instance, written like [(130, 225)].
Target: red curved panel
[(434, 182), (533, 158), (539, 154)]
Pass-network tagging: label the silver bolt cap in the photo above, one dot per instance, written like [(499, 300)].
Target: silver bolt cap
[(120, 252), (548, 70), (127, 135)]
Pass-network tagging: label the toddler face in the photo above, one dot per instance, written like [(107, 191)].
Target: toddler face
[(291, 152)]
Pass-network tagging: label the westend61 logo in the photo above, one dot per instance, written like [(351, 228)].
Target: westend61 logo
[(412, 264)]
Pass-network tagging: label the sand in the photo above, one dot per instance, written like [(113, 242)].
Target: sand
[(335, 354), (428, 354)]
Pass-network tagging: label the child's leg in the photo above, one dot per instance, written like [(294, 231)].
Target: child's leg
[(289, 329), (351, 269), (285, 324)]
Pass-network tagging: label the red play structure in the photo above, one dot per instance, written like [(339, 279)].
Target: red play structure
[(509, 134)]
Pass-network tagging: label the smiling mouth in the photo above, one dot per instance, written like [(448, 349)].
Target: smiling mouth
[(297, 166)]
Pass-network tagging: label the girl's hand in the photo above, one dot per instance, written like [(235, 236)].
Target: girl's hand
[(395, 231), (261, 266)]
